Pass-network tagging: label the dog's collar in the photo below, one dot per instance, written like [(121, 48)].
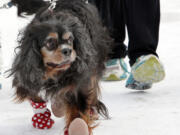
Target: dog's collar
[(52, 4)]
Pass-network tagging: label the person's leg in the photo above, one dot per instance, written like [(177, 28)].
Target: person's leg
[(116, 25), (113, 18), (116, 68), (142, 19)]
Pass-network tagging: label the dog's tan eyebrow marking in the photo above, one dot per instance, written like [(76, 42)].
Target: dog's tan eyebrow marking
[(53, 35), (66, 35)]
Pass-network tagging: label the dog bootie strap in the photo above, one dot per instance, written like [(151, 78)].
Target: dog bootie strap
[(38, 105), (42, 117), (66, 132), (93, 113)]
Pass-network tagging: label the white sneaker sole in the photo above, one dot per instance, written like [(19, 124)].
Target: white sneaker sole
[(151, 71)]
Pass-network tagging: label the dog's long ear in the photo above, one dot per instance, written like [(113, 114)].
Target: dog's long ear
[(86, 53), (28, 65)]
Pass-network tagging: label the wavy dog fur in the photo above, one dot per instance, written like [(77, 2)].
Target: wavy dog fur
[(77, 86)]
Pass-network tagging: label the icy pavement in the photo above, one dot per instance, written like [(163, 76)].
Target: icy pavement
[(152, 112)]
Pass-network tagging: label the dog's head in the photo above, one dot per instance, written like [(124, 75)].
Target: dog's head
[(57, 51), (52, 47)]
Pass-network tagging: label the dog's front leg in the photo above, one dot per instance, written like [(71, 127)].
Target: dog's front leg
[(77, 122), (57, 106), (42, 115), (78, 115)]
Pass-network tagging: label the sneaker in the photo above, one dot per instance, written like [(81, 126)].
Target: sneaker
[(148, 69), (133, 84), (116, 70)]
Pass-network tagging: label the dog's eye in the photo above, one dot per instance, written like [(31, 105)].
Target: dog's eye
[(68, 37), (51, 44), (70, 40)]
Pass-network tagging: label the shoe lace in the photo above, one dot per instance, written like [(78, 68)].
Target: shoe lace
[(124, 66)]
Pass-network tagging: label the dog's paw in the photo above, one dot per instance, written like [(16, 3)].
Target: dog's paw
[(42, 120), (42, 117), (77, 127)]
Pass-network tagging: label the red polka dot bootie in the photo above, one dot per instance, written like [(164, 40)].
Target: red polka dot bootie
[(42, 117)]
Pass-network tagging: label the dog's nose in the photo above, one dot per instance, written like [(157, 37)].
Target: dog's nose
[(66, 51)]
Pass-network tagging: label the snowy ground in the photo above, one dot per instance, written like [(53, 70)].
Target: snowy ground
[(153, 112)]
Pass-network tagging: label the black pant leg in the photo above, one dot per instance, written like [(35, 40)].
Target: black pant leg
[(142, 19), (118, 29), (113, 18)]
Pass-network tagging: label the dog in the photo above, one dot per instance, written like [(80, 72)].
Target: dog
[(61, 54)]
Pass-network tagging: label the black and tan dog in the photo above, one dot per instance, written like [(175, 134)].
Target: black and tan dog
[(62, 54)]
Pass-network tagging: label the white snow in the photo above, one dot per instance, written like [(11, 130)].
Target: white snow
[(152, 112)]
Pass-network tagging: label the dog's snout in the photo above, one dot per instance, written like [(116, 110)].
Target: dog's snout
[(66, 51)]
